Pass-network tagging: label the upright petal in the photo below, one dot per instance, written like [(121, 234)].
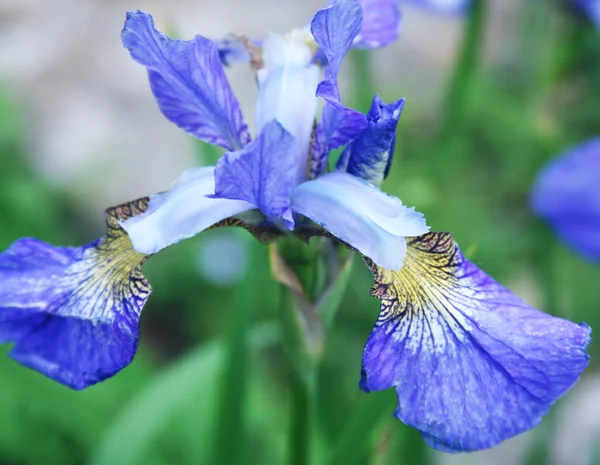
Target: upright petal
[(286, 91), (262, 173), (472, 364), (73, 313), (444, 6), (567, 195), (181, 212), (188, 81), (336, 128), (380, 25), (360, 215), (334, 29), (369, 156)]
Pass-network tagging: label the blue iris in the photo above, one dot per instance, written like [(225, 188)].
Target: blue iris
[(472, 364), (566, 194)]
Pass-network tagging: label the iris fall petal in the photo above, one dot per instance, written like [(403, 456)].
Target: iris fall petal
[(472, 364)]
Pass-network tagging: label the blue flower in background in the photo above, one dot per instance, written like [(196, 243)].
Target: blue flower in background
[(567, 195), (590, 8), (442, 6), (472, 364)]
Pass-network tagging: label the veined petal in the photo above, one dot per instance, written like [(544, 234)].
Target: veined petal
[(444, 6), (567, 195), (262, 173), (380, 24), (369, 156), (472, 363), (181, 212), (357, 213), (188, 81), (73, 313), (334, 28)]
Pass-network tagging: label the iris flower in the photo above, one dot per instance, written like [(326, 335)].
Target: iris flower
[(566, 194), (472, 364)]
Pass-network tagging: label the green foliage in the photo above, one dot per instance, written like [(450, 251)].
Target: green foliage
[(227, 401)]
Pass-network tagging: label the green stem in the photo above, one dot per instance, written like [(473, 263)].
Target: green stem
[(229, 439), (465, 70), (301, 419), (364, 86)]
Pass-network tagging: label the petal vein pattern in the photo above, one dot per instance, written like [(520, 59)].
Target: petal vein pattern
[(472, 364), (73, 312), (188, 82)]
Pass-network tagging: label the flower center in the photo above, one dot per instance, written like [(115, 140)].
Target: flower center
[(286, 89)]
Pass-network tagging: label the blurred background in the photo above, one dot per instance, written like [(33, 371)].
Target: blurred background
[(80, 131)]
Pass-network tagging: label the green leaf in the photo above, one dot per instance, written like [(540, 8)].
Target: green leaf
[(191, 381)]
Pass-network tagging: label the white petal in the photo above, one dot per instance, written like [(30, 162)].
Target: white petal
[(361, 215), (182, 212)]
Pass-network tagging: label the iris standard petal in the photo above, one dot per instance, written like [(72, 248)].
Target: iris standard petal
[(380, 24), (336, 128), (357, 213), (443, 6), (182, 212), (369, 156), (472, 363), (262, 173), (188, 81), (567, 195), (72, 313), (286, 91), (334, 29)]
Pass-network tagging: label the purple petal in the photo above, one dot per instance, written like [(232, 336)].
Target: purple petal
[(369, 156), (357, 213), (73, 313), (232, 49), (182, 212), (451, 7), (567, 195), (472, 364), (380, 24), (262, 173), (188, 81), (334, 28)]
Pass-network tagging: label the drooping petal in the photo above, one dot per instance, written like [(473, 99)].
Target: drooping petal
[(188, 81), (262, 173), (360, 215), (72, 313), (369, 156), (567, 195), (472, 363), (182, 212), (286, 91), (380, 24), (443, 6), (334, 29)]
